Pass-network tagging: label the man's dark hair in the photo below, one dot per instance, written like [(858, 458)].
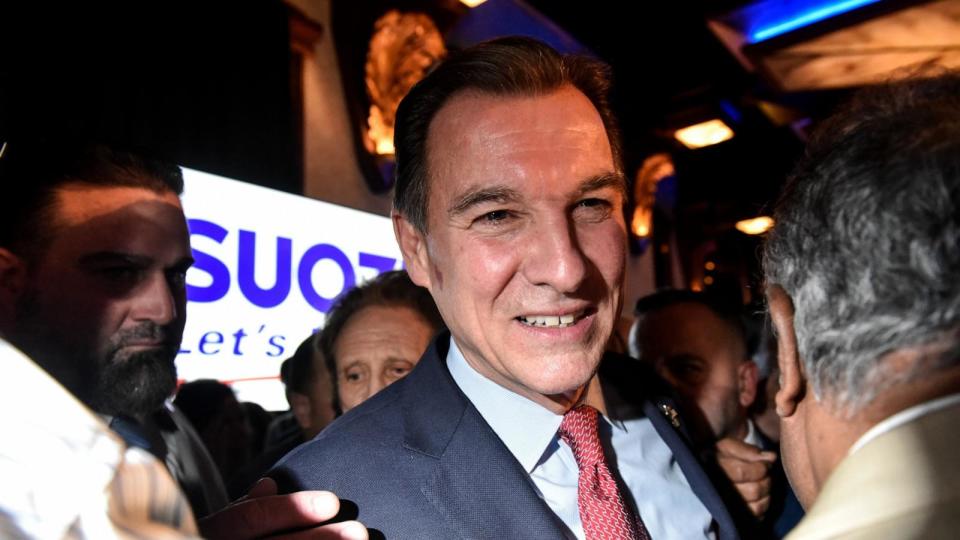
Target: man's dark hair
[(31, 172), (512, 66), (664, 298), (389, 289), (201, 400), (867, 239)]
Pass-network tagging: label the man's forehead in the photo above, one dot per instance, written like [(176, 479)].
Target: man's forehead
[(77, 202), (476, 117), (678, 324), (491, 138), (127, 220)]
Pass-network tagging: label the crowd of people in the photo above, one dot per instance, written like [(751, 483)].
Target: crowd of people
[(476, 394)]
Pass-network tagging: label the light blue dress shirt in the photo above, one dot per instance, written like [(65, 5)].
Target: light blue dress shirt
[(657, 486)]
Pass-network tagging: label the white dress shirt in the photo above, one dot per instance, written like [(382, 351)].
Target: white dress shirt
[(753, 435), (657, 486)]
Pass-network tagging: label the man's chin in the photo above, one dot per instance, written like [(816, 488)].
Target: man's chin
[(561, 378), (136, 383)]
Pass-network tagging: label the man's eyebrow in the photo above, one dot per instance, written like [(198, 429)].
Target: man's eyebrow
[(113, 257), (102, 258), (184, 263), (499, 194), (615, 180), (503, 194)]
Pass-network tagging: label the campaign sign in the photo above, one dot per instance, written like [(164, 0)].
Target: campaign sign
[(268, 266)]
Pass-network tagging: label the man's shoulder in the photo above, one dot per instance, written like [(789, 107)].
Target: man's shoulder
[(368, 439), (904, 483), (370, 460), (377, 419)]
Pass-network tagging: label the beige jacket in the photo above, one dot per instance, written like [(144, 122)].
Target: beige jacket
[(903, 484)]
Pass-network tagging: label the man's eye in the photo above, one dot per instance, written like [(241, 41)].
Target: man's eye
[(399, 370), (124, 274), (595, 204), (352, 376), (496, 216), (687, 371), (592, 209), (177, 279)]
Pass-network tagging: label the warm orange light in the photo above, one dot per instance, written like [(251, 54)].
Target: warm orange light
[(472, 3), (757, 225), (640, 224), (708, 280), (704, 134), (710, 265)]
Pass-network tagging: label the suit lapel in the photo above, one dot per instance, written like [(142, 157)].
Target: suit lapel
[(476, 484), (483, 491), (697, 478)]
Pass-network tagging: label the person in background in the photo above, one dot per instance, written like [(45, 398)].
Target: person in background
[(94, 250), (310, 393), (284, 425), (699, 345), (312, 396), (862, 285), (374, 335), (215, 413), (763, 412), (259, 420)]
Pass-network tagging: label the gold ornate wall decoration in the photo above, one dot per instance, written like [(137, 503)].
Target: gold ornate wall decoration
[(402, 49), (654, 168)]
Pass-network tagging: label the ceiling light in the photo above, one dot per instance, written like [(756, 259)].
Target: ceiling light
[(757, 225), (704, 134), (472, 3), (783, 17)]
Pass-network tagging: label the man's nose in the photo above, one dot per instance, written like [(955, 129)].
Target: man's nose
[(554, 257), (377, 384), (156, 301)]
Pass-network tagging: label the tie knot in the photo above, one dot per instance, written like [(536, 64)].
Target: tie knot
[(579, 431)]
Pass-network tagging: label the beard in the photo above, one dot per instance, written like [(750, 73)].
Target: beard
[(136, 383)]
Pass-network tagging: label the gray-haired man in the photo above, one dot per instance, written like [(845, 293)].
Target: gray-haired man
[(862, 271)]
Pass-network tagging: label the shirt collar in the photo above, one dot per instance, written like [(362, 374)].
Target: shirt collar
[(903, 417), (526, 428), (753, 436)]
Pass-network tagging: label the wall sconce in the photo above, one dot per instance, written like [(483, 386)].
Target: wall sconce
[(654, 169), (402, 49)]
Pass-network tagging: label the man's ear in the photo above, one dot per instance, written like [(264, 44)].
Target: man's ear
[(13, 279), (792, 380), (413, 246), (747, 375)]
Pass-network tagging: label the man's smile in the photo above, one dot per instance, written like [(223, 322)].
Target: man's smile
[(561, 320)]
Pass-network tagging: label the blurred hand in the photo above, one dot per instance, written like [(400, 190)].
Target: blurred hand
[(748, 468), (263, 513)]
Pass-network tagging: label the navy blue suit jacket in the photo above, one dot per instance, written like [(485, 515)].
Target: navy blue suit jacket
[(418, 461)]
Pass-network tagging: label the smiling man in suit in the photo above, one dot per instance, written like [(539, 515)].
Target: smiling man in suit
[(509, 209)]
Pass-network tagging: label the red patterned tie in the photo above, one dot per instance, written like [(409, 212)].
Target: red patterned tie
[(602, 510)]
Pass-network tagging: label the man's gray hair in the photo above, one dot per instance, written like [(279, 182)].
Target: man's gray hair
[(867, 240)]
